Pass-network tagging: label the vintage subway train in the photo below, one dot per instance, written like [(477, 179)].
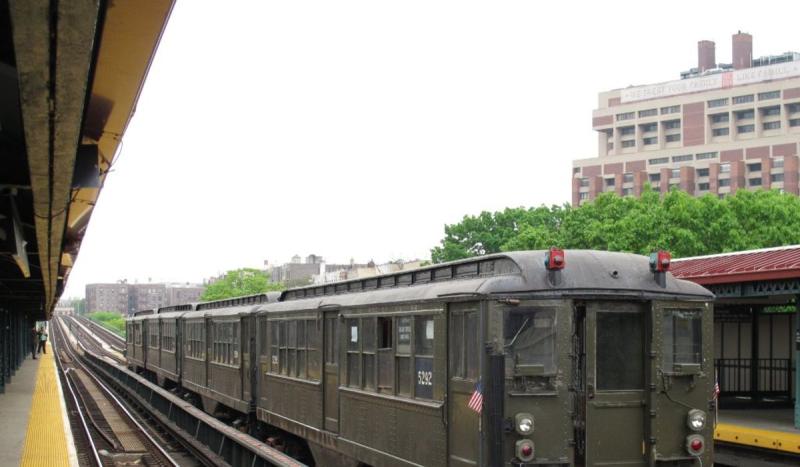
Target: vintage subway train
[(517, 359)]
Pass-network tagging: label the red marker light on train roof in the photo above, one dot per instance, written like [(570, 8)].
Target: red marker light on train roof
[(660, 260), (554, 259), (696, 445)]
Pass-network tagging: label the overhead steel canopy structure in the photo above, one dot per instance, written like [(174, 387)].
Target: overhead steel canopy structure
[(70, 74)]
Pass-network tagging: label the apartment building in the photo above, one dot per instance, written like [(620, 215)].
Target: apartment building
[(108, 297), (129, 298), (720, 128)]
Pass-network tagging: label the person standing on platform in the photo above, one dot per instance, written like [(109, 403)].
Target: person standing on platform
[(34, 341), (42, 340)]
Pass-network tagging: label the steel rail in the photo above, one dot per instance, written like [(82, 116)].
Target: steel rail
[(78, 408), (124, 410)]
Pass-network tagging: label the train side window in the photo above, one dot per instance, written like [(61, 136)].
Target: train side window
[(153, 341), (262, 337), (214, 342), (530, 336), (291, 345), (274, 359), (353, 354), (384, 333), (195, 340), (235, 343), (201, 347), (385, 356), (682, 339), (472, 344), (332, 340), (301, 349), (187, 339), (619, 351), (312, 336), (283, 348), (165, 342), (403, 355), (457, 346), (423, 356), (464, 345)]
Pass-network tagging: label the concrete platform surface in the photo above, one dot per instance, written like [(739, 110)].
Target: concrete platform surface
[(15, 410), (763, 419)]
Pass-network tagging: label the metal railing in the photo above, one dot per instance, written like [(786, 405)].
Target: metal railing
[(772, 377)]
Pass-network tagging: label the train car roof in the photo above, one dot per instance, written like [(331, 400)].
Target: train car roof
[(586, 273), (143, 314), (169, 314), (222, 312)]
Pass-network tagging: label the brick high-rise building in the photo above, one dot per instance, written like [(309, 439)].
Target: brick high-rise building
[(129, 298), (720, 128), (107, 297)]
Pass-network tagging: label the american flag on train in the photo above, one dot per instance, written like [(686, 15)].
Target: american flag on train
[(716, 389), (476, 401)]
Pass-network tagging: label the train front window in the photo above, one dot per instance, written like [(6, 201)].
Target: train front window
[(620, 349), (682, 339), (530, 338)]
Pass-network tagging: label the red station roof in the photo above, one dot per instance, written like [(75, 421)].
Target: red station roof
[(742, 266)]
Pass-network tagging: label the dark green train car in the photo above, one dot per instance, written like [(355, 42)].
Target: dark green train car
[(519, 359)]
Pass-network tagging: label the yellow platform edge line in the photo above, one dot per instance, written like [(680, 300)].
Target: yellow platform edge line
[(765, 439), (45, 440)]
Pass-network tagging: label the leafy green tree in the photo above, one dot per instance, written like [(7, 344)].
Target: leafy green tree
[(490, 232), (675, 221), (110, 320), (239, 282)]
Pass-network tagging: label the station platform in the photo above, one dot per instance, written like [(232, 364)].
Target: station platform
[(35, 428), (771, 429)]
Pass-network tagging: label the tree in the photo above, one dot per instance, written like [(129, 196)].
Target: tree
[(491, 232), (675, 221), (239, 282), (110, 319)]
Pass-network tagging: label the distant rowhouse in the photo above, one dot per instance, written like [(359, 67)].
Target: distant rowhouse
[(720, 128)]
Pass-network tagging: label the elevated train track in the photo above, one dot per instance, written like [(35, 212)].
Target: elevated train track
[(152, 425), (113, 339), (109, 433)]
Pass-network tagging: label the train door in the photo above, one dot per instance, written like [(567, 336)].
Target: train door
[(159, 343), (615, 394), (178, 344), (209, 338), (331, 376), (145, 334), (248, 343), (462, 374)]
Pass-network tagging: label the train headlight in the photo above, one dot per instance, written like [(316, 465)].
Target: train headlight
[(524, 423), (696, 420), (525, 450), (695, 445)]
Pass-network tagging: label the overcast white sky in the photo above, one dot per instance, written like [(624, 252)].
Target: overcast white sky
[(359, 128)]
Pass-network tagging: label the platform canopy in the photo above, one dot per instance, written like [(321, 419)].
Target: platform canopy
[(70, 74), (765, 275), (764, 264)]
